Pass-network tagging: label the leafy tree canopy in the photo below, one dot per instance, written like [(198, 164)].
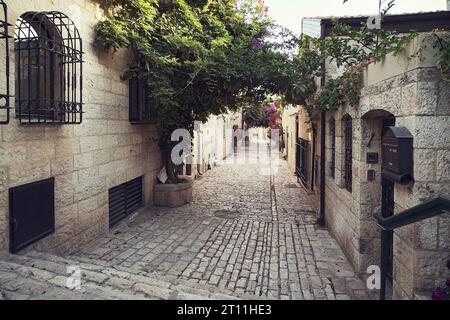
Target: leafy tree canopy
[(200, 57), (206, 57)]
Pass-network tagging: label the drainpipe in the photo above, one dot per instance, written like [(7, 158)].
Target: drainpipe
[(322, 220), (313, 157)]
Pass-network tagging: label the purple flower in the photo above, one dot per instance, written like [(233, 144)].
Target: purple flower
[(439, 294), (447, 283), (257, 43)]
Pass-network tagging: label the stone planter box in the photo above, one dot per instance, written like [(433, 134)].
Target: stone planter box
[(173, 195)]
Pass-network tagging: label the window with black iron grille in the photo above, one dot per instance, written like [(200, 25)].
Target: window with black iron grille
[(348, 153), (48, 58), (140, 111), (333, 147), (125, 200), (302, 160), (4, 72)]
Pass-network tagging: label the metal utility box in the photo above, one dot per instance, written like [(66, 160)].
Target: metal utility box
[(372, 158), (397, 155), (31, 213)]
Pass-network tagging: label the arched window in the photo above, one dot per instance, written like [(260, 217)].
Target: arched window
[(48, 57), (333, 147), (4, 76), (348, 153)]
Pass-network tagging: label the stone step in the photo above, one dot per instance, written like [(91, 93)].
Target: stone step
[(122, 275), (101, 282), (109, 284), (187, 284), (18, 281)]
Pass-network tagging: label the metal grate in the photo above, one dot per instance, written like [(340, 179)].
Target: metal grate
[(333, 147), (48, 57), (31, 213), (348, 152), (302, 160), (140, 111), (4, 76), (125, 200)]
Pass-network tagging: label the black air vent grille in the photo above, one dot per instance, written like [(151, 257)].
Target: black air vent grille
[(125, 200)]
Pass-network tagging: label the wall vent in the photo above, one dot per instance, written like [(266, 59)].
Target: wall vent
[(125, 200)]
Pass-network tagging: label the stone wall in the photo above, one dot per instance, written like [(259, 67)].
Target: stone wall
[(212, 142), (289, 128), (420, 101), (87, 159)]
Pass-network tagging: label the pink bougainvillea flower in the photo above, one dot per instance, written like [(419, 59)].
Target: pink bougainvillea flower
[(439, 294), (257, 43)]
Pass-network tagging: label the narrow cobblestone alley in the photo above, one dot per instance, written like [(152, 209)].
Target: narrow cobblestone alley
[(250, 231)]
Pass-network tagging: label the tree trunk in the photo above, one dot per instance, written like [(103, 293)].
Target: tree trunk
[(172, 172)]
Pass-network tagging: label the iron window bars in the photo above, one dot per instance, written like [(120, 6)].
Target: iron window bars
[(333, 147), (48, 55), (348, 153), (302, 160), (140, 111), (4, 76)]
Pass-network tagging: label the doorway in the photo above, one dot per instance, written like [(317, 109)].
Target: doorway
[(381, 199)]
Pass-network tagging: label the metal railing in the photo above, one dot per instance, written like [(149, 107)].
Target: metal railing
[(427, 210)]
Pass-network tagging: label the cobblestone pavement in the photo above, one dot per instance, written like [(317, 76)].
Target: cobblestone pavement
[(250, 231)]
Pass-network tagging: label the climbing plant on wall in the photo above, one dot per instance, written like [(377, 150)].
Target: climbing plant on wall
[(206, 57), (443, 59), (353, 49)]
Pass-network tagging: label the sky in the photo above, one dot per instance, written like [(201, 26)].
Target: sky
[(289, 13)]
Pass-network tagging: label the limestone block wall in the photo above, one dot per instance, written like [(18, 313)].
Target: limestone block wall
[(420, 101), (342, 208), (209, 143), (212, 141), (291, 142), (289, 128), (87, 159), (306, 132)]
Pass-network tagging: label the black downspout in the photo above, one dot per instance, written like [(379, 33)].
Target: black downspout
[(321, 220), (385, 245), (313, 157)]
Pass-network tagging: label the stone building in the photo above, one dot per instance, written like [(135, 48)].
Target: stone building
[(74, 123), (399, 91), (85, 159), (213, 140)]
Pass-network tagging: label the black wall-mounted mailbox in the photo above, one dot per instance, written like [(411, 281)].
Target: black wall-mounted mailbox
[(397, 154)]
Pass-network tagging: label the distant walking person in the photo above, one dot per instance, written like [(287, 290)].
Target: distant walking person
[(235, 139)]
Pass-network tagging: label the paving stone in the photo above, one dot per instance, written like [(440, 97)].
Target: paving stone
[(264, 243)]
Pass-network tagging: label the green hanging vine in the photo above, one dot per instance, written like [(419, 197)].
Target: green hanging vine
[(443, 59), (353, 50)]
